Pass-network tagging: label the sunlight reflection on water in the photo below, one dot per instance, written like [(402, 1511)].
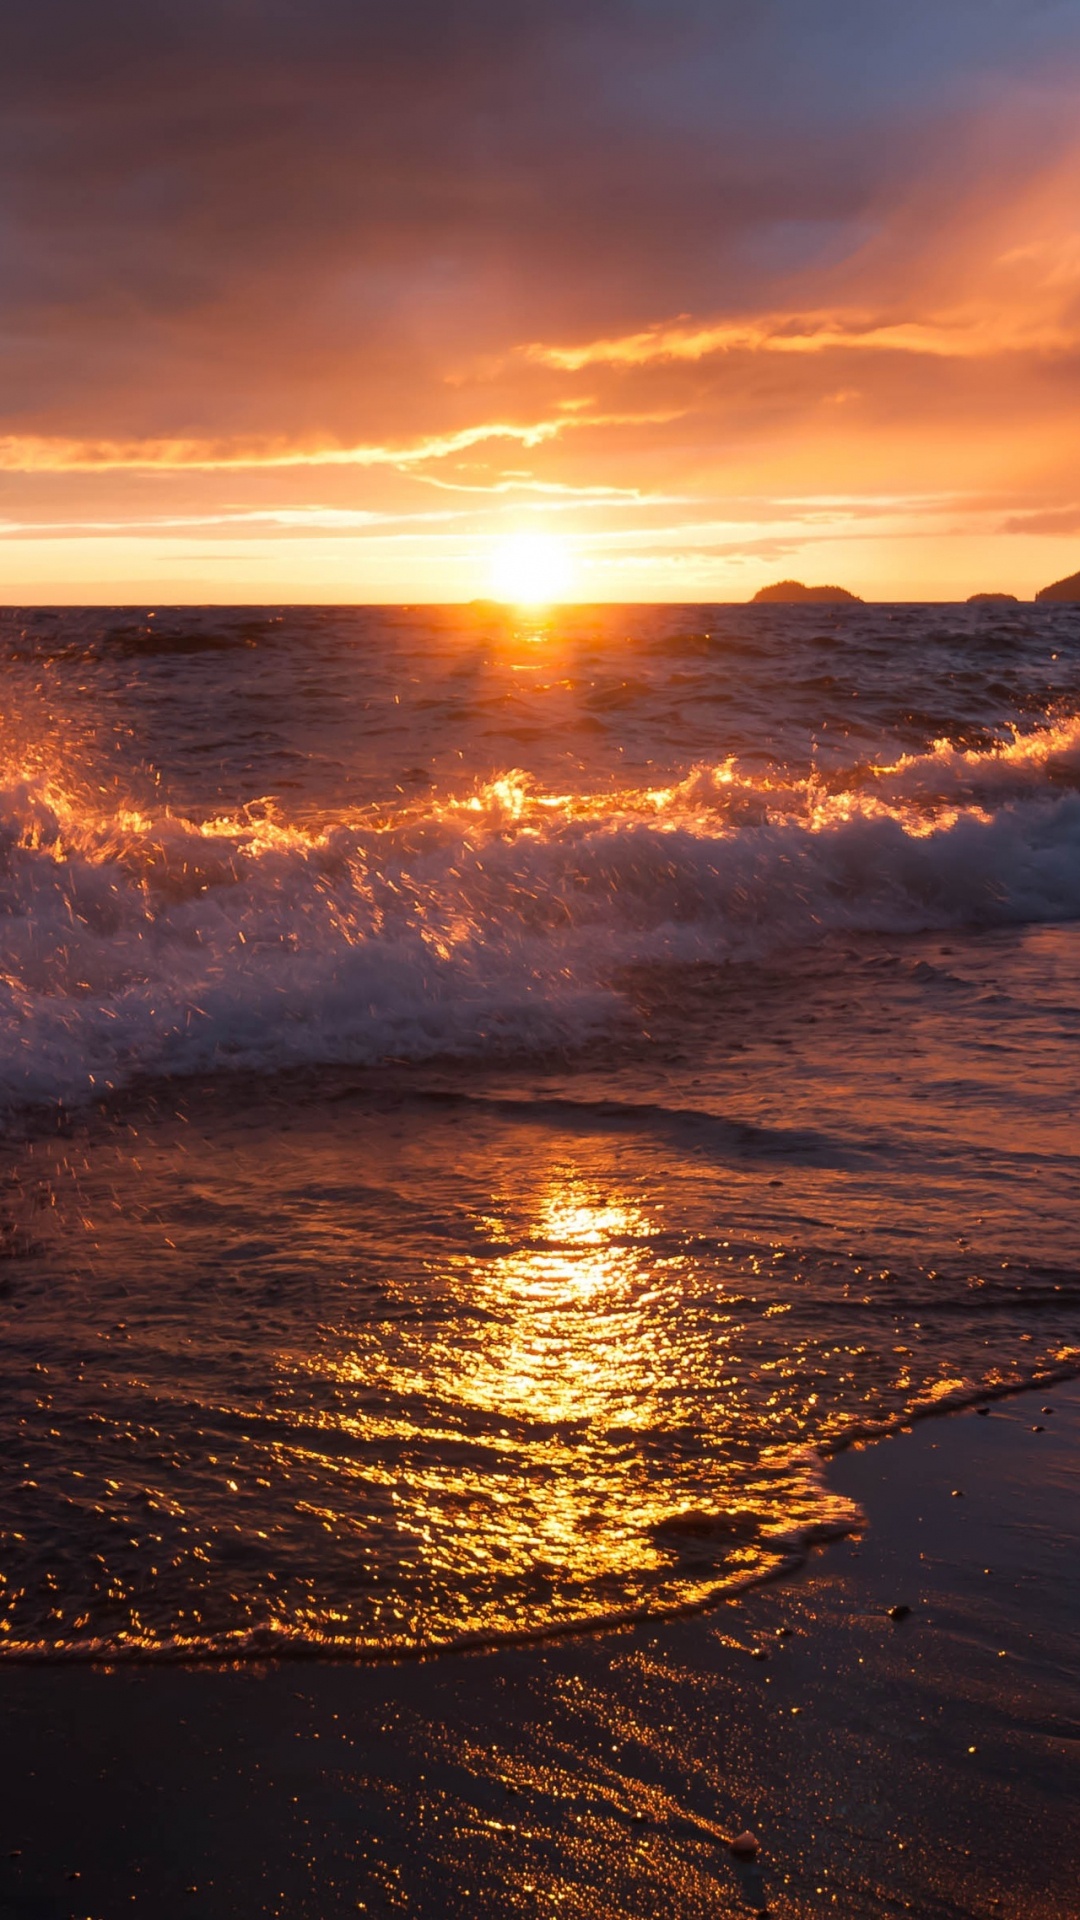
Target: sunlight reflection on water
[(559, 1071)]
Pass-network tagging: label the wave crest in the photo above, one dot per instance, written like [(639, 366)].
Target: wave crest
[(140, 942)]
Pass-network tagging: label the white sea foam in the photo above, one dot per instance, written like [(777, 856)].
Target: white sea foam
[(137, 943)]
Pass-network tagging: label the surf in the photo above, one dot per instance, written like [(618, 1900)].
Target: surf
[(498, 919)]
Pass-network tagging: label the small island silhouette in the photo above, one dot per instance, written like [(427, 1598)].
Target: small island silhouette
[(1068, 589), (992, 599), (791, 592)]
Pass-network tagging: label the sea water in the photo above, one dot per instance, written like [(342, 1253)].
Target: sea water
[(488, 1098)]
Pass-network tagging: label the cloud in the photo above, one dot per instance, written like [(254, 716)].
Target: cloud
[(29, 453), (648, 250), (975, 334), (248, 208), (1053, 521)]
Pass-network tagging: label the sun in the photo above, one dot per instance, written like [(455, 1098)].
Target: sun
[(531, 569)]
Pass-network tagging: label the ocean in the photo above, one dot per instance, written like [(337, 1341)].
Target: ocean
[(490, 1100)]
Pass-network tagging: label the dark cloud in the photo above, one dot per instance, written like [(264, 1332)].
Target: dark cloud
[(231, 215), (1053, 521)]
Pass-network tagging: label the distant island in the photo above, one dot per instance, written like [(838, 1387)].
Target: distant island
[(1062, 589), (791, 592), (992, 599)]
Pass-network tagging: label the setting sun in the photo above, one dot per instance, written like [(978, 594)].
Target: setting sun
[(531, 569)]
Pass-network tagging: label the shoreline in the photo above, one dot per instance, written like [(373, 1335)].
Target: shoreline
[(265, 1646), (920, 1765)]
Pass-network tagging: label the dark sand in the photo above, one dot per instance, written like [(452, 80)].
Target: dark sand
[(924, 1767)]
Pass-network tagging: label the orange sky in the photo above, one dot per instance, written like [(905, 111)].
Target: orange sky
[(325, 306)]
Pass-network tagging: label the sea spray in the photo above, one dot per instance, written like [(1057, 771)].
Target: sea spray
[(497, 921)]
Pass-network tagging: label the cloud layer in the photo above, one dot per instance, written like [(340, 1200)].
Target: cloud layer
[(272, 257)]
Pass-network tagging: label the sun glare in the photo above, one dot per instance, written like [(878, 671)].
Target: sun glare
[(531, 569)]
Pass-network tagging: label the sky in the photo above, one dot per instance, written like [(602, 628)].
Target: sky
[(331, 300)]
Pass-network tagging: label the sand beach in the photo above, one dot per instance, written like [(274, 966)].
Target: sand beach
[(922, 1766)]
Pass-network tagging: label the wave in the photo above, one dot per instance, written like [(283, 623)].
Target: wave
[(140, 942), (713, 1555)]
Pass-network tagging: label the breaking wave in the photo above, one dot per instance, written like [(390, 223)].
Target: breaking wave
[(138, 942)]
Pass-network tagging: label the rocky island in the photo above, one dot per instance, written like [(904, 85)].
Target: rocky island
[(992, 600), (1068, 589), (792, 593)]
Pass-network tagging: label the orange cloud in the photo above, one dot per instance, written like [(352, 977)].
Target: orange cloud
[(39, 453), (798, 287), (43, 453), (975, 333)]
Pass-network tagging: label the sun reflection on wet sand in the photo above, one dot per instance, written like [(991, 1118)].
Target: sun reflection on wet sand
[(577, 1358), (364, 1366), (555, 1434)]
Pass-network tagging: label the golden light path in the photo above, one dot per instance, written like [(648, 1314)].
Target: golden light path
[(542, 1468)]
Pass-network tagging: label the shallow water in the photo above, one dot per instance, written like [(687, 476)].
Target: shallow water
[(487, 1098)]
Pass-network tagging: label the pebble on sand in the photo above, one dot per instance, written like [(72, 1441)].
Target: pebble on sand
[(745, 1846)]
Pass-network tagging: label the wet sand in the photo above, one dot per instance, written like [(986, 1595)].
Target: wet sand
[(923, 1766)]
